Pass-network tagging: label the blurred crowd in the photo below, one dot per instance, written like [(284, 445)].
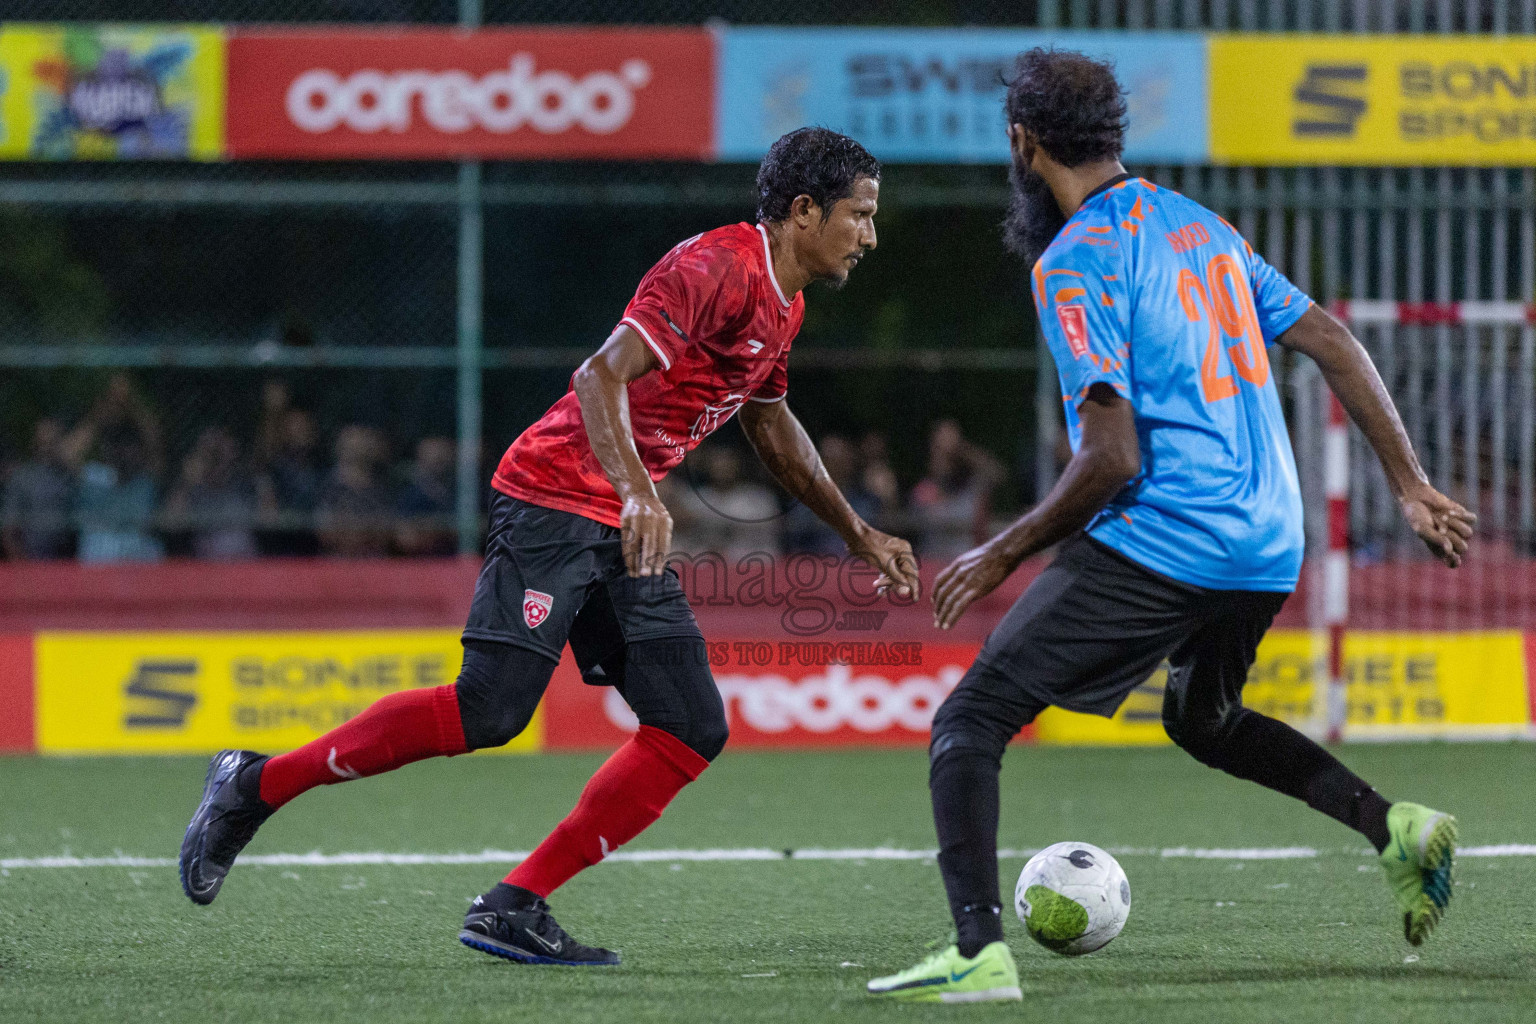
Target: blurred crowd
[(100, 490)]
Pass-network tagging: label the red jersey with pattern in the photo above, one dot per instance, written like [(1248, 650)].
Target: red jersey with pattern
[(720, 327)]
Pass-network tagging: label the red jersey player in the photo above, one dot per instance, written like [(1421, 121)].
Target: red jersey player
[(578, 543)]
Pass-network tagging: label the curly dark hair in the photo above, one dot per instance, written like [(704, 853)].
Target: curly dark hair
[(1070, 102), (815, 162)]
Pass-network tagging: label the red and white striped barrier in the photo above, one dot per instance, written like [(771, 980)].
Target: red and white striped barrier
[(1336, 561), (1433, 314)]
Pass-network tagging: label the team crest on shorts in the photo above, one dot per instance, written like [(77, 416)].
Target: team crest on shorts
[(536, 607)]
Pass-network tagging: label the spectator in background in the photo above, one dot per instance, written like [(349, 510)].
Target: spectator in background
[(427, 501), (803, 531), (119, 451), (740, 517), (215, 498), (952, 505), (290, 476), (355, 511), (879, 479), (39, 497)]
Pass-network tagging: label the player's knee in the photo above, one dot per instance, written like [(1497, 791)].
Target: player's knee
[(669, 685), (1203, 737), (960, 726), (708, 735), (498, 688)]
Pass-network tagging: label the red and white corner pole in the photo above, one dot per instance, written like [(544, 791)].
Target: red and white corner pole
[(1336, 561)]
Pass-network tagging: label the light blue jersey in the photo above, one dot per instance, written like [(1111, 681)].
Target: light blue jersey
[(1161, 299)]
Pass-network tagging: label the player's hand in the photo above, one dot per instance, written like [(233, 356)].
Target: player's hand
[(895, 560), (645, 528), (973, 575), (1442, 524)]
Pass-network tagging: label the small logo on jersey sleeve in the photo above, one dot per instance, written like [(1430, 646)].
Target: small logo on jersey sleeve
[(536, 608), (1074, 324)]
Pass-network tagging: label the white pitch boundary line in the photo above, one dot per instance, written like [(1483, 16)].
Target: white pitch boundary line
[(317, 859)]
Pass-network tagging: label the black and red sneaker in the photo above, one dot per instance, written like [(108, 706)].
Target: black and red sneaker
[(223, 823), (526, 933)]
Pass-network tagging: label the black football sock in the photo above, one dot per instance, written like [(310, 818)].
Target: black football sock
[(978, 927), (505, 897), (1273, 754), (964, 786), (1343, 795), (248, 782)]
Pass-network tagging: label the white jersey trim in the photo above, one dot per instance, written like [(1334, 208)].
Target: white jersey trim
[(768, 401), (666, 364), (768, 257)]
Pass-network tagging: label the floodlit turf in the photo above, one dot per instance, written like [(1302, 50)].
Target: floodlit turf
[(1208, 940)]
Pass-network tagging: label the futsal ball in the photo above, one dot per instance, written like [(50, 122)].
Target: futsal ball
[(1073, 898)]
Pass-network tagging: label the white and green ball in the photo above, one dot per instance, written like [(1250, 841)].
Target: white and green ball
[(1073, 898)]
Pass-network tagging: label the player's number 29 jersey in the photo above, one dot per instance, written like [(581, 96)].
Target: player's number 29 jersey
[(1154, 295), (713, 314)]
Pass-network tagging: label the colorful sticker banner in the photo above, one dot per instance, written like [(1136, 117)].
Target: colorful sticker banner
[(1364, 100), (185, 693), (111, 92), (935, 95)]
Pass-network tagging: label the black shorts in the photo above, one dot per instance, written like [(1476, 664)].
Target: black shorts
[(552, 576), (1095, 625)]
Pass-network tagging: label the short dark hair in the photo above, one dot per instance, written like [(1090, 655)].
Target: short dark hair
[(815, 162), (1071, 103)]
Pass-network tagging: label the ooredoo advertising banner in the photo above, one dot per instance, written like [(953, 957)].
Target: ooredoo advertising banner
[(936, 95), (1394, 100), (111, 92), (503, 94), (787, 693)]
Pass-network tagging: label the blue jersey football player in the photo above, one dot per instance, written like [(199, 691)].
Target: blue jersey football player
[(1179, 515)]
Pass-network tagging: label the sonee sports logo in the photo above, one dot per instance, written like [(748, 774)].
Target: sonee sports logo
[(549, 101), (536, 607), (1334, 94)]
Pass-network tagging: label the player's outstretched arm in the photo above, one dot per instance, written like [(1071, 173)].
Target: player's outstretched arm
[(602, 386), (1108, 458), (786, 449), (1444, 525)]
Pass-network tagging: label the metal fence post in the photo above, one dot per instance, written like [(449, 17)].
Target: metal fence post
[(471, 272)]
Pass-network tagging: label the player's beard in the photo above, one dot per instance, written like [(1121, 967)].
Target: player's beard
[(1033, 218)]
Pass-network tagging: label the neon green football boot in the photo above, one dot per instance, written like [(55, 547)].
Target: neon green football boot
[(948, 977), (1419, 861)]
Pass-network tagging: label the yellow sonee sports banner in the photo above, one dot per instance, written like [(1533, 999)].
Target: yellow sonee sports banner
[(106, 92), (1391, 100), (1398, 686), (184, 693)]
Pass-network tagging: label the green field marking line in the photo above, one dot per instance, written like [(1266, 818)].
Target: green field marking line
[(324, 860)]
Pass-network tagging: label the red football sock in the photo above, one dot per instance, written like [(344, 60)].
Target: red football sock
[(395, 730), (626, 794)]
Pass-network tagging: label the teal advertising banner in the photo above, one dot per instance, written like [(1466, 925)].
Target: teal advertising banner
[(935, 95)]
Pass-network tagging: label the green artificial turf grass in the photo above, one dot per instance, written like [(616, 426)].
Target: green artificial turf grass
[(1208, 940)]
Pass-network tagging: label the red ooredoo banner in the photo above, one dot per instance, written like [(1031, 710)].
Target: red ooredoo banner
[(500, 94), (786, 694)]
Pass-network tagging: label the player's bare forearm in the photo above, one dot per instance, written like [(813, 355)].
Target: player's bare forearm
[(1444, 525), (786, 449), (1108, 458), (602, 387), (1348, 369)]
